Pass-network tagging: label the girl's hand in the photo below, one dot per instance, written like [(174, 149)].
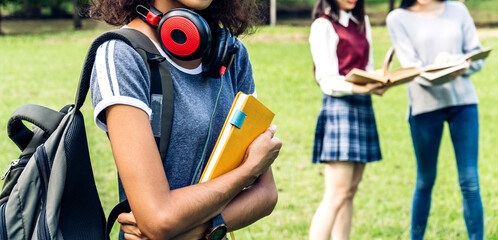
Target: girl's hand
[(367, 88), (381, 90), (444, 58), (129, 226), (460, 72), (262, 152)]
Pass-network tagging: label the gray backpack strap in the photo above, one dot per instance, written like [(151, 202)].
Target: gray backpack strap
[(42, 117)]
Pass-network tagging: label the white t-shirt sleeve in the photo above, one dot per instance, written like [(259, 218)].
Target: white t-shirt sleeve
[(119, 76)]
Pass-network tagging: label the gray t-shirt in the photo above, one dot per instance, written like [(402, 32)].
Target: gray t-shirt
[(120, 77), (419, 39)]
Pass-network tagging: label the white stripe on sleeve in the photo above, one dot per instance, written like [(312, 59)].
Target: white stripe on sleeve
[(112, 68), (101, 67)]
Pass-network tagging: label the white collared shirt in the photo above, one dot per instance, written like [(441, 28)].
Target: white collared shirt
[(323, 44)]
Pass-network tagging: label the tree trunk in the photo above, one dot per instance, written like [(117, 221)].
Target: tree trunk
[(391, 5), (1, 33), (273, 12), (76, 16)]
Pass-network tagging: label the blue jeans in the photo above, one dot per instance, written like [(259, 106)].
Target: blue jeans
[(426, 130)]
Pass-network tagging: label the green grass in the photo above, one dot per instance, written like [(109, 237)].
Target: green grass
[(44, 69)]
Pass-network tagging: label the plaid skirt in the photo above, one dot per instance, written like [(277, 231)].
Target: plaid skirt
[(346, 130)]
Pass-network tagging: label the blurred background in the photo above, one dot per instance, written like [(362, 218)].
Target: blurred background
[(42, 50), (24, 16)]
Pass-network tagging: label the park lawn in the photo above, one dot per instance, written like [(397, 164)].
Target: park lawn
[(44, 69)]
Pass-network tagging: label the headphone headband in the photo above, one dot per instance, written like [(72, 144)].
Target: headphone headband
[(150, 15)]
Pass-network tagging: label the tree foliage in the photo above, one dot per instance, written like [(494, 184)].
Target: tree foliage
[(45, 9), (4, 2), (42, 8)]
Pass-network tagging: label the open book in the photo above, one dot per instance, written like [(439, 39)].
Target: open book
[(247, 119), (398, 76), (436, 71)]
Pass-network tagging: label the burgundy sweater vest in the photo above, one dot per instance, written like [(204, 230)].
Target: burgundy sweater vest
[(353, 48)]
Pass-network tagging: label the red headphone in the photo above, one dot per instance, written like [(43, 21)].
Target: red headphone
[(185, 35)]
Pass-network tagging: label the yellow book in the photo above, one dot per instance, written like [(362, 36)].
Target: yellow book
[(247, 119)]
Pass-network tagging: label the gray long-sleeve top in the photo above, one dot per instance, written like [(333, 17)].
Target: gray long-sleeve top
[(418, 40)]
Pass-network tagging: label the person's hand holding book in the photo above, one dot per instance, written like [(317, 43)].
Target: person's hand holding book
[(446, 58), (460, 72), (381, 90), (370, 88), (262, 152)]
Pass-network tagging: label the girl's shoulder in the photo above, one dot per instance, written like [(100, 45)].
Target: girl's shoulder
[(240, 72), (322, 19), (241, 61), (321, 24), (242, 52), (116, 53), (456, 6), (118, 48), (397, 14)]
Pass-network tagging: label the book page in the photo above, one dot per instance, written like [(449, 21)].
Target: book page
[(431, 75), (359, 76), (473, 56), (478, 55), (386, 65), (404, 75)]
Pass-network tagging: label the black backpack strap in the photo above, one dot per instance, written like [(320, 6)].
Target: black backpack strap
[(160, 76), (161, 83), (122, 207), (166, 84)]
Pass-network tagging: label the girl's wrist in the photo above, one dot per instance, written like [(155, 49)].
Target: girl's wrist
[(248, 174), (359, 89)]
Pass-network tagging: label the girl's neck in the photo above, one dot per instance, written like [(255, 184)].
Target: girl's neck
[(430, 9)]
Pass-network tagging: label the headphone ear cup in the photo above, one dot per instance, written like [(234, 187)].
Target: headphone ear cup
[(220, 55), (184, 34)]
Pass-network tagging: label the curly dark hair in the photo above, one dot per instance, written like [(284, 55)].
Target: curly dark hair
[(238, 16)]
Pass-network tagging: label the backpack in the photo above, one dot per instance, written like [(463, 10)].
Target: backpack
[(50, 191)]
